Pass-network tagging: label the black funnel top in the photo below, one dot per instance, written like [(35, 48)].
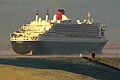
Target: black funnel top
[(61, 10)]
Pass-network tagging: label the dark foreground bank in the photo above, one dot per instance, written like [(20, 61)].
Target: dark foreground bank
[(74, 65)]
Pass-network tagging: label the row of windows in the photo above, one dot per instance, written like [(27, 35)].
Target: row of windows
[(20, 39)]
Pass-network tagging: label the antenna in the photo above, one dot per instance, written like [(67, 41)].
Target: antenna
[(89, 16), (88, 19)]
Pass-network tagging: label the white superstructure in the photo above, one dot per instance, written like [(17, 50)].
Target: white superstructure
[(31, 32)]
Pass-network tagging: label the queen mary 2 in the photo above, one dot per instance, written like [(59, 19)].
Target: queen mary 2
[(59, 36)]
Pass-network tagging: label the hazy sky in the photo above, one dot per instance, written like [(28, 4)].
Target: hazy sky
[(14, 13)]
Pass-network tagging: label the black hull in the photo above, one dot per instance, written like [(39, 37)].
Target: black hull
[(56, 48), (21, 48)]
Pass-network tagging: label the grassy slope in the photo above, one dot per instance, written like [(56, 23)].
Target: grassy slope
[(8, 72), (54, 68), (113, 62)]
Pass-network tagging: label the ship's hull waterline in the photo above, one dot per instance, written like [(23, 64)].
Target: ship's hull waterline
[(56, 48)]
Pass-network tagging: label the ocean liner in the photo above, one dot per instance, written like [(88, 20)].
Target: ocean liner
[(59, 36)]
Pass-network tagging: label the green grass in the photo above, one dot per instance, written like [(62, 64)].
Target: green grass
[(8, 72)]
